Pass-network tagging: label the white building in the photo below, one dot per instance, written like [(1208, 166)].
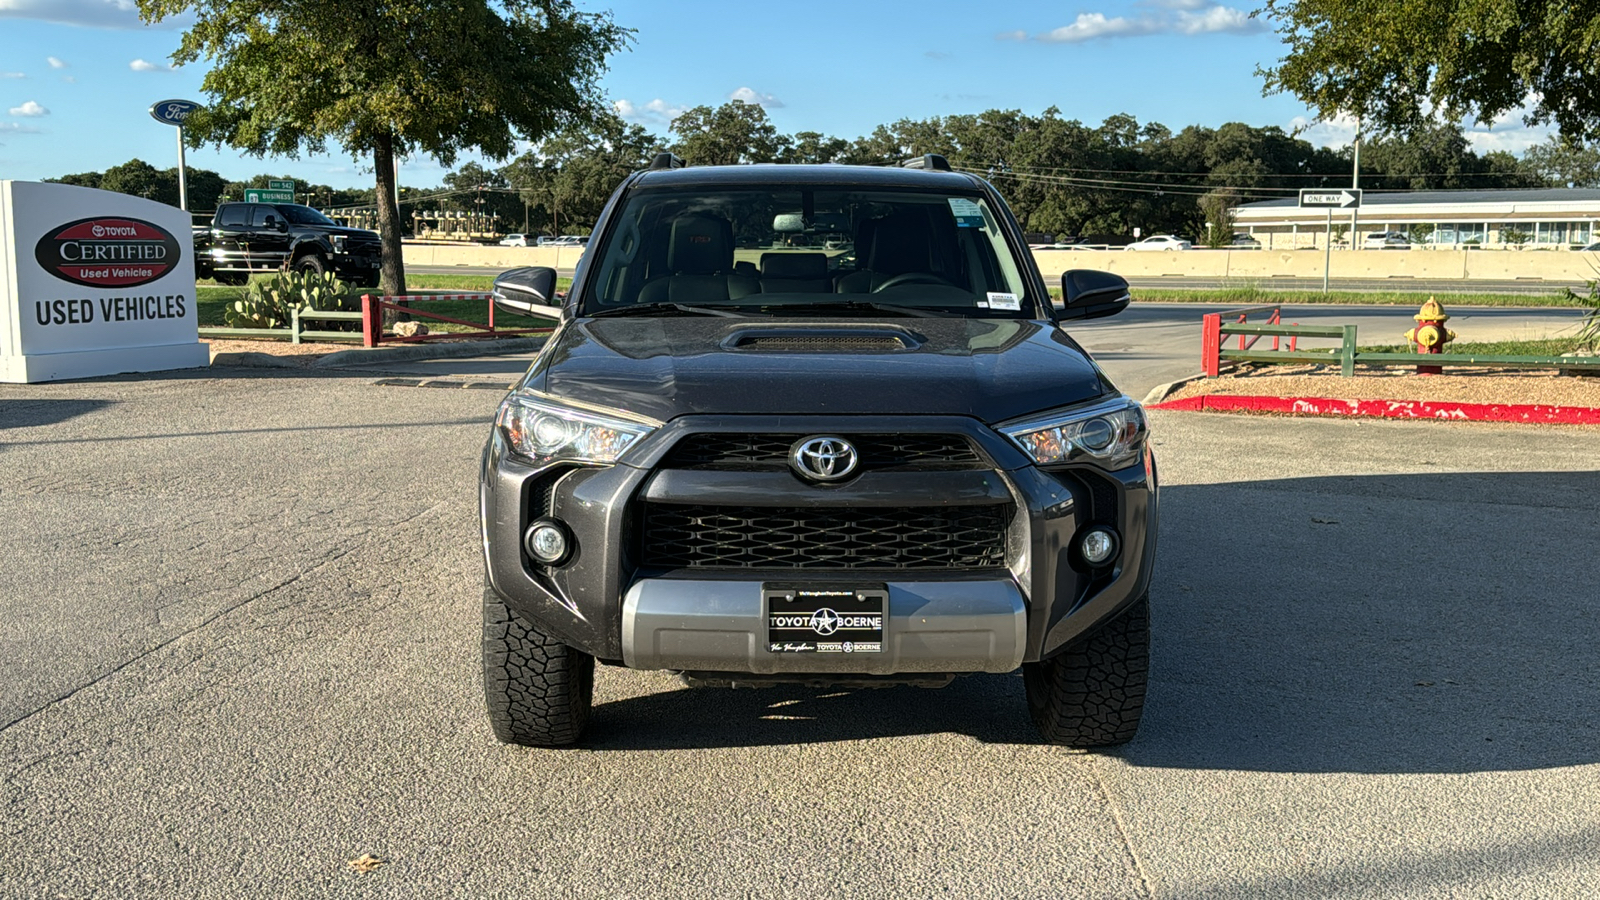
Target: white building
[(1548, 218)]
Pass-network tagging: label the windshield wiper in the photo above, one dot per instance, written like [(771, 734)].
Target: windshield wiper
[(919, 312), (639, 309)]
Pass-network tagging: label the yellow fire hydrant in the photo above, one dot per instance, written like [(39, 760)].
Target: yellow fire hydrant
[(1430, 335)]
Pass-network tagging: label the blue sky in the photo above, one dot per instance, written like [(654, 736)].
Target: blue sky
[(76, 76)]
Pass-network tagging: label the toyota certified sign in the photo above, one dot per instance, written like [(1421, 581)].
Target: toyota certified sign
[(108, 252)]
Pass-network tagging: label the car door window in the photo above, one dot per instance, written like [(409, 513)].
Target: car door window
[(260, 214), (236, 216)]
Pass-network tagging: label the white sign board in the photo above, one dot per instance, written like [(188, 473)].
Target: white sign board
[(93, 283), (1343, 198)]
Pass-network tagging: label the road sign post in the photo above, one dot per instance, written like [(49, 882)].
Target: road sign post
[(173, 112), (1330, 200)]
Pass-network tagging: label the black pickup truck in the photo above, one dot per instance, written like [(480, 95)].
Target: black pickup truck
[(251, 238)]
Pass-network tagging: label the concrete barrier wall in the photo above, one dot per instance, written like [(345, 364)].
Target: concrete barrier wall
[(490, 257), (1489, 265)]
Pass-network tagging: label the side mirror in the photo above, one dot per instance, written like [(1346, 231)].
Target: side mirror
[(528, 291), (1092, 294)]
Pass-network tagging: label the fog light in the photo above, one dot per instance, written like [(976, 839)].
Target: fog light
[(1098, 547), (547, 542)]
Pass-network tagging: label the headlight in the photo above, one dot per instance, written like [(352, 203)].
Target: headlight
[(1109, 435), (546, 432), (338, 243)]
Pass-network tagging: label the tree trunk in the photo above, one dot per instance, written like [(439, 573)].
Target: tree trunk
[(393, 277)]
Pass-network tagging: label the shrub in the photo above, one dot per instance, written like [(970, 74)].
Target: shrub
[(270, 302)]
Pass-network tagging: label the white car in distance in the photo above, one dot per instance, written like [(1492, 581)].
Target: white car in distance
[(1160, 242)]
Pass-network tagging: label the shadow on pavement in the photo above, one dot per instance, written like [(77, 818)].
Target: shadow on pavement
[(1380, 624), (36, 412)]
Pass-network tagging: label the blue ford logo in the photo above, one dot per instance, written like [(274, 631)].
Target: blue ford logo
[(823, 458), (173, 112)]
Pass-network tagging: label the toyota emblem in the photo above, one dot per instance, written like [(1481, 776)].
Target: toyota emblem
[(823, 458)]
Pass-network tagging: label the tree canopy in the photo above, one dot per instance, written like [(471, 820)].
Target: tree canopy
[(388, 78), (1398, 63)]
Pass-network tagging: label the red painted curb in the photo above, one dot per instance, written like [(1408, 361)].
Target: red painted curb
[(1391, 409)]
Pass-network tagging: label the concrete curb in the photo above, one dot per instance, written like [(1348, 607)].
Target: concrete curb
[(409, 352), (1523, 413), (254, 360), (1162, 391)]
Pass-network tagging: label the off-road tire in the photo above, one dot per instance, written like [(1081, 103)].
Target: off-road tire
[(1092, 693), (538, 689), (311, 263)]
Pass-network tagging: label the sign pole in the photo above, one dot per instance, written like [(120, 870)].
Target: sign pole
[(1327, 252), (183, 180)]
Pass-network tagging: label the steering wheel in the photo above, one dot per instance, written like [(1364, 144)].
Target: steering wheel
[(913, 278)]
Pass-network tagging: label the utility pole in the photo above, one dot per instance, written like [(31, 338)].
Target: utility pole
[(1355, 183)]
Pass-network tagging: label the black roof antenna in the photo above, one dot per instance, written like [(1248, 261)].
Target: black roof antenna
[(933, 162), (665, 161)]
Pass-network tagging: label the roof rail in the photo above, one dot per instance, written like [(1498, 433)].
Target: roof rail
[(666, 161), (932, 162)]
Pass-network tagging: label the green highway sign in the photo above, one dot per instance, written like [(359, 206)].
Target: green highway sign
[(257, 195), (279, 185)]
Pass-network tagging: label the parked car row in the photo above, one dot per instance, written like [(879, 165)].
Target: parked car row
[(544, 240)]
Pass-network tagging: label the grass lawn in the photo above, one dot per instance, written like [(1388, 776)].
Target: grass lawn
[(1256, 296), (214, 298), (1548, 347)]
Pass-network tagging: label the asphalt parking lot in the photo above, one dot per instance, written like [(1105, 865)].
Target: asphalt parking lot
[(238, 648)]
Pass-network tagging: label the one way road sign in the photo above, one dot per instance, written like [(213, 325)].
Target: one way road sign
[(1349, 198)]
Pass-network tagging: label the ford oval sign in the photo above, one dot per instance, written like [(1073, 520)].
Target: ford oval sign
[(108, 252), (173, 112)]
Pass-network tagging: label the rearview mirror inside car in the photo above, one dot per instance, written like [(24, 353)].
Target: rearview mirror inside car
[(1092, 294), (528, 291)]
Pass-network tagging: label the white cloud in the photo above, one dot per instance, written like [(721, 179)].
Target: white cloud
[(1011, 36), (656, 112), (144, 65), (29, 109), (1340, 131), (750, 95), (69, 79), (1173, 17), (56, 63), (12, 75), (17, 128), (91, 13)]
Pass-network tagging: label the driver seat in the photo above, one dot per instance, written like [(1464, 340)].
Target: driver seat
[(897, 244)]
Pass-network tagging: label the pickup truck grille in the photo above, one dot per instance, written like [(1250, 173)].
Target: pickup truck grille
[(877, 452), (737, 537)]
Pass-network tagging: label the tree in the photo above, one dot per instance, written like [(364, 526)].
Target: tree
[(1561, 163), (572, 174), (735, 132), (1395, 62), (389, 78)]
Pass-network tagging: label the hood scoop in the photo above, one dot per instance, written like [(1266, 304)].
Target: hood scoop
[(828, 339)]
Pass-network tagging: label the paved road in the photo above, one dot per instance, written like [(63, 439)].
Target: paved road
[(1419, 285), (238, 622), (1150, 343)]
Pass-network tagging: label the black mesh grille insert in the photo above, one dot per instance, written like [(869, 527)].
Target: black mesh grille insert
[(739, 537), (875, 451)]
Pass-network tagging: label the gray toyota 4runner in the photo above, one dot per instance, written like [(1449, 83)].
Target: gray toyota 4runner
[(819, 425)]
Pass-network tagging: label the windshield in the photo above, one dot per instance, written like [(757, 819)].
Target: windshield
[(303, 215), (773, 248)]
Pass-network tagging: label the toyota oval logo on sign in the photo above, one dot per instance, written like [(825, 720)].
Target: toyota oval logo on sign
[(108, 252), (823, 458)]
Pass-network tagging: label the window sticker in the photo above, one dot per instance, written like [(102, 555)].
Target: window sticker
[(968, 214), (999, 300)]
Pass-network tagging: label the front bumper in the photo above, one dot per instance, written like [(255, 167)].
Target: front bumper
[(607, 602)]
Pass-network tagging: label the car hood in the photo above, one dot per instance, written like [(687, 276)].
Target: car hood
[(989, 369), (339, 229)]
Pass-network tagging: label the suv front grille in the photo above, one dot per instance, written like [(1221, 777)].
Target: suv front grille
[(739, 537), (876, 452)]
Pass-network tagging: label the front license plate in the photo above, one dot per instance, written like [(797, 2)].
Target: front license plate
[(816, 619)]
